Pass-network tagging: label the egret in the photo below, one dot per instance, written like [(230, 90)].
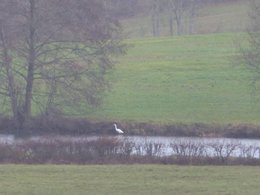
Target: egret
[(118, 130)]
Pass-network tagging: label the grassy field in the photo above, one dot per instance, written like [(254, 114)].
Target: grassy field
[(182, 79), (134, 179)]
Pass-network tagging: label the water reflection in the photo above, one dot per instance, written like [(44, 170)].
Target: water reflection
[(195, 146), (7, 139), (165, 146)]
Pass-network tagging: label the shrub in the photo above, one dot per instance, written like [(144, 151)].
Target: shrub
[(108, 149)]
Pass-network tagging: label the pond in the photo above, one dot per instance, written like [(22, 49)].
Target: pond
[(196, 146)]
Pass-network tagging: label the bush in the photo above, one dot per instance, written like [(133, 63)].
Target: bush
[(108, 149)]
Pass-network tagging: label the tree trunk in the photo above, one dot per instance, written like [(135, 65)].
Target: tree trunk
[(179, 25), (171, 24), (31, 63), (153, 25), (192, 17), (156, 19)]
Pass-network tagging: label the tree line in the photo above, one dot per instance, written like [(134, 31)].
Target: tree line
[(181, 15)]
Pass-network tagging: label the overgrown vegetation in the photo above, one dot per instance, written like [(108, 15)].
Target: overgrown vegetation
[(113, 150)]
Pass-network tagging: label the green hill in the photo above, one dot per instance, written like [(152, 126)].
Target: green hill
[(182, 79)]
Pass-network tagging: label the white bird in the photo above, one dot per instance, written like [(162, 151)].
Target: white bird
[(118, 130)]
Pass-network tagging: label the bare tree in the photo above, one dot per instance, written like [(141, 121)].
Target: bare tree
[(155, 10), (251, 53), (178, 11), (194, 6), (55, 53), (122, 8)]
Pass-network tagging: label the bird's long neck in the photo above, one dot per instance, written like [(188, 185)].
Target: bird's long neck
[(115, 126)]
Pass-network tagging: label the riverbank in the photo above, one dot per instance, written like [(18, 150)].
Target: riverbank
[(83, 126)]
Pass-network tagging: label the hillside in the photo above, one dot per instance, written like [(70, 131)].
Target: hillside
[(182, 79), (187, 79)]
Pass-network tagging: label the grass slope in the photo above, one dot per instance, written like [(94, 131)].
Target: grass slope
[(182, 79), (134, 179)]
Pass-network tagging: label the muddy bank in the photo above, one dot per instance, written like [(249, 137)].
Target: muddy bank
[(83, 126)]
